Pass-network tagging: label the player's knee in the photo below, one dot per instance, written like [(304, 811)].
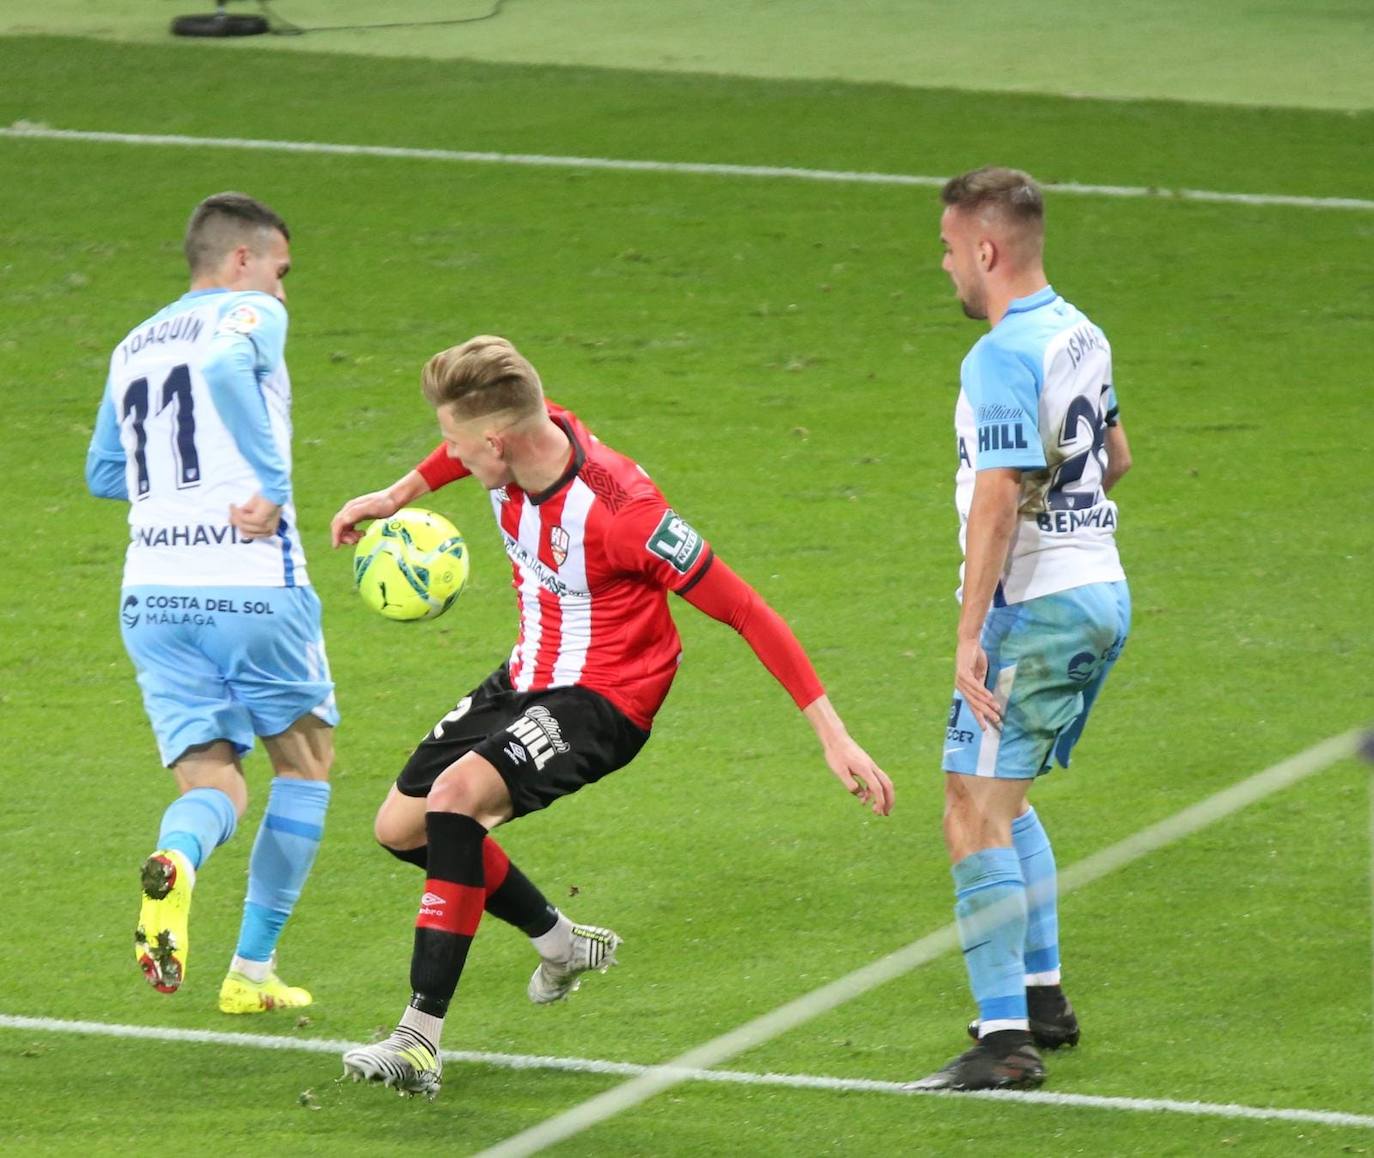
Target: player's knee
[(304, 751), (452, 792), (400, 823), (385, 830), (472, 787)]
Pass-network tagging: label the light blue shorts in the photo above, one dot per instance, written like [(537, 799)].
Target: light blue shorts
[(1047, 661), (226, 663)]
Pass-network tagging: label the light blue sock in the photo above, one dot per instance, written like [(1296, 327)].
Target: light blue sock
[(196, 823), (991, 914), (1042, 892), (283, 852)]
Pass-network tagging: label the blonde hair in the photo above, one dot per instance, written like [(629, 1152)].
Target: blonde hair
[(485, 375)]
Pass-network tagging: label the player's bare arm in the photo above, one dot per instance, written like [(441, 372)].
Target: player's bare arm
[(343, 528), (1118, 456), (725, 597), (991, 525), (854, 767)]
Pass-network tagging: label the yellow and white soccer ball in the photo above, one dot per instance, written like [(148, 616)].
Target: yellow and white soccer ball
[(411, 566)]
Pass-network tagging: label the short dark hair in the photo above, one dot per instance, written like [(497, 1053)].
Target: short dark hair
[(225, 220), (1007, 192)]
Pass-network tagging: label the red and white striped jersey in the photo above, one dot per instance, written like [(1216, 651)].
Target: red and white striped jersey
[(592, 561)]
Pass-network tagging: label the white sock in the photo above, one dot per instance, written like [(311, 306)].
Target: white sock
[(987, 1027), (254, 970), (423, 1025), (556, 944), (1049, 977)]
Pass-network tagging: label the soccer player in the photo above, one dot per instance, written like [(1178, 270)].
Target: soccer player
[(1045, 609), (217, 612), (595, 549)]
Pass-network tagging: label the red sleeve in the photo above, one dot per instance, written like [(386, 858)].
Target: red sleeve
[(649, 538), (438, 469), (723, 595)]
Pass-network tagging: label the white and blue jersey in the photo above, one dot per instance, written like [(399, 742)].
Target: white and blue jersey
[(224, 632), (197, 415), (1036, 394)]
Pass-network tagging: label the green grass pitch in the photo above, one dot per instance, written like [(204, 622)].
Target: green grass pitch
[(783, 358)]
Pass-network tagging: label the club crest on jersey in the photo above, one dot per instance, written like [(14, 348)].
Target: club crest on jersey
[(558, 545), (239, 320)]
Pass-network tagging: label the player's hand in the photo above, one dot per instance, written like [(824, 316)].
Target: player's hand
[(970, 680), (343, 528), (860, 776), (258, 518)]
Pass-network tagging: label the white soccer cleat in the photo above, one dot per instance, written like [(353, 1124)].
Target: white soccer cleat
[(403, 1062), (593, 948)]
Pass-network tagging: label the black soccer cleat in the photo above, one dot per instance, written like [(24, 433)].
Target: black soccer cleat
[(1003, 1061), (1052, 1020)]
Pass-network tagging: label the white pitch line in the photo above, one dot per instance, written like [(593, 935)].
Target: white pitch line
[(28, 130), (722, 1077), (811, 1005)]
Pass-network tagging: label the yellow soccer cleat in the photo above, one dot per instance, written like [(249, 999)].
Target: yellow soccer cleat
[(160, 940), (240, 994)]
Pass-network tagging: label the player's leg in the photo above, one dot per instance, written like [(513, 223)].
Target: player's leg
[(1053, 1022), (987, 774), (272, 650), (1052, 1019), (511, 896), (1084, 631), (990, 912), (201, 734), (283, 853), (204, 815), (565, 949), (542, 748), (990, 894), (466, 799)]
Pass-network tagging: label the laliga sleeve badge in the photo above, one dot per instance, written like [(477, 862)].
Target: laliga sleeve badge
[(239, 320)]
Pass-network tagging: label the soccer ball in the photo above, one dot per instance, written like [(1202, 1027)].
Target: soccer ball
[(411, 566)]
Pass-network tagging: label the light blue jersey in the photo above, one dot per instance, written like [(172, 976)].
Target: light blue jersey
[(196, 415), (224, 631), (1036, 394)]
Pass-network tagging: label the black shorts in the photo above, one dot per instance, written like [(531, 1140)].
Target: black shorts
[(544, 744)]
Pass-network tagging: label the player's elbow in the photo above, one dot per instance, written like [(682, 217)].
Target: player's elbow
[(105, 479)]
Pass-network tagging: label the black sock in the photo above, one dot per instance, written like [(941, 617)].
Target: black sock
[(449, 911), (519, 902), (416, 856)]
